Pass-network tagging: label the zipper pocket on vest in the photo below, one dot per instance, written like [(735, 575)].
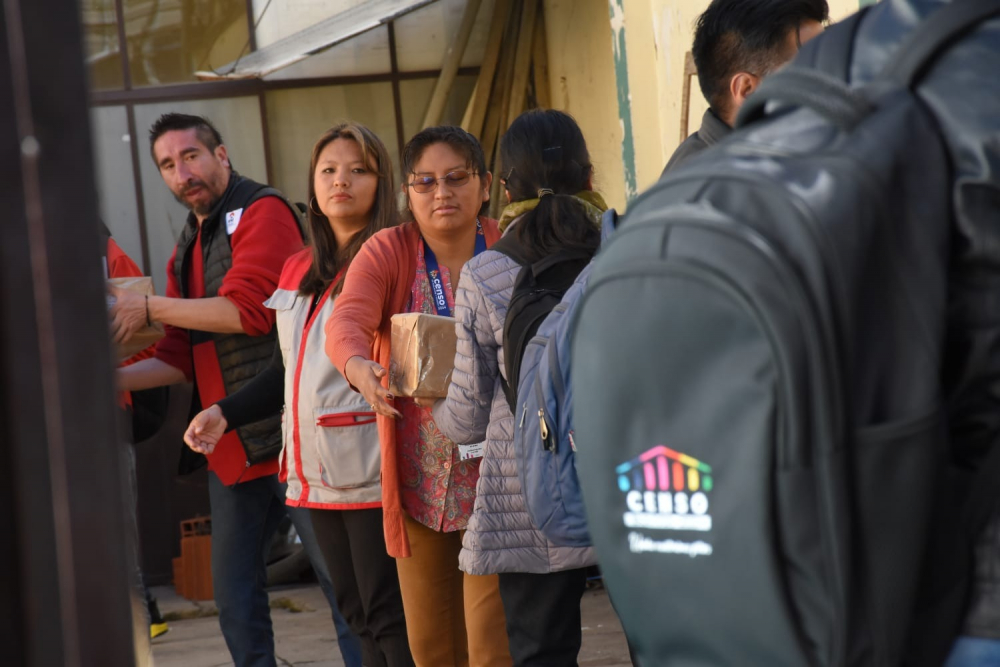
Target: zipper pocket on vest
[(342, 419)]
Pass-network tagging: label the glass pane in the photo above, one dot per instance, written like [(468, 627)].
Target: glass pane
[(415, 95), (367, 53), (100, 41), (423, 36), (169, 40), (297, 117), (238, 120), (115, 189)]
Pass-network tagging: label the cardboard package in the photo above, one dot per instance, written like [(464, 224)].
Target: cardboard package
[(145, 336), (423, 355)]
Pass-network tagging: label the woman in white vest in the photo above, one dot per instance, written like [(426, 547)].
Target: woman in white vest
[(330, 457)]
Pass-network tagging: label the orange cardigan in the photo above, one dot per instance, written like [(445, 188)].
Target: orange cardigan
[(377, 286)]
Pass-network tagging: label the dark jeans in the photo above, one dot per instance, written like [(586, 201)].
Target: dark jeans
[(974, 652), (353, 545), (140, 591), (244, 519), (543, 616), (143, 603)]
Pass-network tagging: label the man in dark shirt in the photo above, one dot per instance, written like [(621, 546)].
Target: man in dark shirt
[(736, 44)]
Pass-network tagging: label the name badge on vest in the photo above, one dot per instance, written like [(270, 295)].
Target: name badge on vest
[(466, 452), (233, 220)]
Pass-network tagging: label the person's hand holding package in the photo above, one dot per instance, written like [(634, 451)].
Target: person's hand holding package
[(129, 314), (423, 356), (130, 327)]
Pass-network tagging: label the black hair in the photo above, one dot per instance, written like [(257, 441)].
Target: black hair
[(545, 149), (460, 141), (168, 122), (735, 36)]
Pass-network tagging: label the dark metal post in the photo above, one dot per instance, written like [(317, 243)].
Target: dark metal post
[(64, 599), (396, 98)]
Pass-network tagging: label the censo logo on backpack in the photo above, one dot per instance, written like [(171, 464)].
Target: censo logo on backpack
[(665, 490)]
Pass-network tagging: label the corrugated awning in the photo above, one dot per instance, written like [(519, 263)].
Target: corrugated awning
[(314, 39)]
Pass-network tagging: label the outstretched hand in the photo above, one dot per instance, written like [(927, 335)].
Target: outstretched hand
[(367, 376), (205, 430)]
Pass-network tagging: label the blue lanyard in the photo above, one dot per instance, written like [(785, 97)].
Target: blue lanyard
[(434, 273)]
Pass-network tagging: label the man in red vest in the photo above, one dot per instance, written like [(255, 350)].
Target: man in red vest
[(219, 335)]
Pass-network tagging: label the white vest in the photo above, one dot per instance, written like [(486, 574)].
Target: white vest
[(330, 451)]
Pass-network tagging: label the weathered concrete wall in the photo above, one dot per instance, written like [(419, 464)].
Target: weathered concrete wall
[(582, 81), (618, 67)]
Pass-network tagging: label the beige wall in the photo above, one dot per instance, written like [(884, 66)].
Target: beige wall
[(661, 46), (582, 82), (658, 33)]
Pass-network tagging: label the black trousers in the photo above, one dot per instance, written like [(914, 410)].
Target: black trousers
[(543, 617), (364, 576)]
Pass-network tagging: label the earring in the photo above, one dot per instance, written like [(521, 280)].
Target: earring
[(311, 202)]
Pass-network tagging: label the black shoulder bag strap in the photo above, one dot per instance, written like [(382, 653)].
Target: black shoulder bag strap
[(508, 245)]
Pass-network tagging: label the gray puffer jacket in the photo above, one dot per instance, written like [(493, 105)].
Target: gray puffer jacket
[(500, 536)]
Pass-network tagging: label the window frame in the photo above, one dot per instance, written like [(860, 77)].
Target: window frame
[(129, 96)]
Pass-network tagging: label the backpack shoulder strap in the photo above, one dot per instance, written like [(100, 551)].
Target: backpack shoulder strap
[(556, 258), (935, 34), (821, 92), (816, 79), (508, 245)]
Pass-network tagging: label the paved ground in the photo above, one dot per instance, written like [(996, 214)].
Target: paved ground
[(305, 636)]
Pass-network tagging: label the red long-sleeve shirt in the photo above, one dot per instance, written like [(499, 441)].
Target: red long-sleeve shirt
[(267, 235)]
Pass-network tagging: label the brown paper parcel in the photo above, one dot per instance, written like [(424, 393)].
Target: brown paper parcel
[(423, 355), (145, 336)]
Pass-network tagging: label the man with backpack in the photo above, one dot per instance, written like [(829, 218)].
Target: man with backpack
[(736, 44), (220, 335), (799, 471)]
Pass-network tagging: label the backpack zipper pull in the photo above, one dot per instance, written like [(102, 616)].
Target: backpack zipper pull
[(524, 413), (543, 429)]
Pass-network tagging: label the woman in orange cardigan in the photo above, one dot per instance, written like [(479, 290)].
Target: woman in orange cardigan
[(428, 482)]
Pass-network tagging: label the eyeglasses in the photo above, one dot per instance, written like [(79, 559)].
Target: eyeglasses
[(454, 179)]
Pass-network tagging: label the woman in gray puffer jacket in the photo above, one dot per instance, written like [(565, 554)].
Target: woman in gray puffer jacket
[(553, 207)]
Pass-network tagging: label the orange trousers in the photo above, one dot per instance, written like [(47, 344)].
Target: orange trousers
[(453, 619)]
